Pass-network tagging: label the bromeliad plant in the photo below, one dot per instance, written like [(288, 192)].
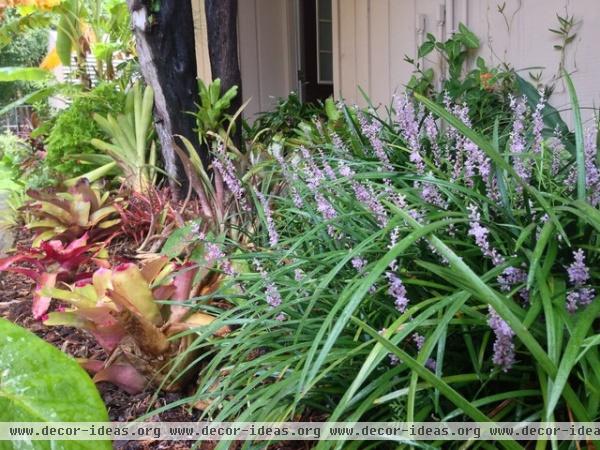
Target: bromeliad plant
[(142, 317), (52, 263), (132, 146), (411, 270), (68, 215)]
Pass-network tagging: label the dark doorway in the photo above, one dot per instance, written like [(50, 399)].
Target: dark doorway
[(316, 74)]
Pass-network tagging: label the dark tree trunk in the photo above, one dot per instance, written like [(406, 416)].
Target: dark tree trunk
[(167, 56), (221, 23)]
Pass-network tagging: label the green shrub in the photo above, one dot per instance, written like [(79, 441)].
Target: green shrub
[(22, 163), (410, 268), (75, 127), (26, 48)]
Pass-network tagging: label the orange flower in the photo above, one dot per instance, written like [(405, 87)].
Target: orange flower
[(41, 4), (51, 61), (485, 79)]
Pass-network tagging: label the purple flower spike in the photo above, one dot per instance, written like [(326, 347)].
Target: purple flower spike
[(579, 275), (480, 233), (578, 272), (397, 290), (359, 264), (273, 235), (504, 348), (224, 166)]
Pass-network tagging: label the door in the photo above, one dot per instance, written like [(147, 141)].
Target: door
[(316, 73)]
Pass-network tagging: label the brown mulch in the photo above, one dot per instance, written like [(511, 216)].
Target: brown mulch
[(15, 305)]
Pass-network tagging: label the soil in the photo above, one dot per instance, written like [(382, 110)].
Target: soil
[(15, 305)]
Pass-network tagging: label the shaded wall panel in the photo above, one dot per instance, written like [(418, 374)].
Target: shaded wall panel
[(373, 37)]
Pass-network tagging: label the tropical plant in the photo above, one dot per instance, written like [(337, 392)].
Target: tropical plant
[(132, 147), (212, 110), (23, 49), (407, 270), (39, 383), (68, 215), (483, 88), (73, 129), (149, 218), (124, 309), (53, 263), (284, 119)]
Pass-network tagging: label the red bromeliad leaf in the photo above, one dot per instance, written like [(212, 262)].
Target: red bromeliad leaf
[(41, 302), (109, 337), (93, 366), (69, 257), (183, 281), (50, 264), (123, 375), (163, 292)]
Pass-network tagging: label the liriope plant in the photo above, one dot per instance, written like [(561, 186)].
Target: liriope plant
[(413, 268)]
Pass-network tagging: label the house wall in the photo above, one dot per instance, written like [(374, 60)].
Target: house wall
[(268, 52), (373, 36)]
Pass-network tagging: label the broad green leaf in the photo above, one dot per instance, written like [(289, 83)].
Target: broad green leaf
[(38, 383), (24, 74)]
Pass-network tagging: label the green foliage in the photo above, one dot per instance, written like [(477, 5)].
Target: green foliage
[(75, 127), (384, 254), (22, 49), (283, 119), (212, 110), (24, 164), (132, 148), (483, 88), (41, 384)]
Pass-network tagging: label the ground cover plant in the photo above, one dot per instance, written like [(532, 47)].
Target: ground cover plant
[(409, 270)]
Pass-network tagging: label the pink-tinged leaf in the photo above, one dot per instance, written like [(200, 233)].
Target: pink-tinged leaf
[(164, 292), (78, 244), (83, 279), (101, 316), (183, 281), (48, 197), (30, 273), (152, 267), (109, 337), (83, 189), (102, 281), (92, 366), (5, 263), (124, 376), (100, 262), (41, 303), (71, 256)]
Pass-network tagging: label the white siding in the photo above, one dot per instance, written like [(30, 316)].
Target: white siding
[(267, 49), (373, 36)]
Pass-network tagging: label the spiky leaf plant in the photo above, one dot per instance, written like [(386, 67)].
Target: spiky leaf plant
[(142, 317), (68, 215)]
